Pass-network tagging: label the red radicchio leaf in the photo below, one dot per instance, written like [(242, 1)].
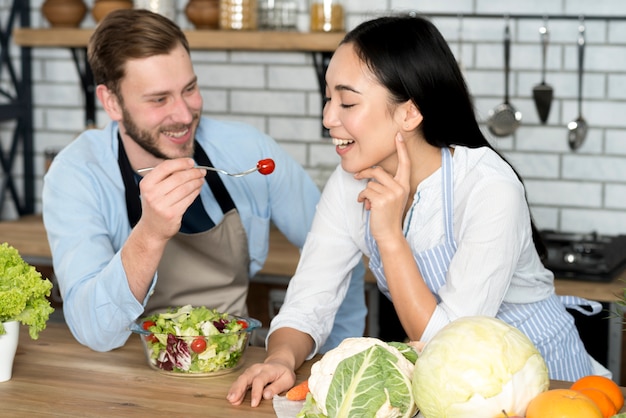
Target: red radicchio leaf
[(177, 354), (220, 325)]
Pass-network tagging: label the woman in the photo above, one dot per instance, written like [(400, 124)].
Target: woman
[(441, 215)]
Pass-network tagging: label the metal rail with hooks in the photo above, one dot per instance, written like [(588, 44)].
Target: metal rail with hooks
[(514, 16)]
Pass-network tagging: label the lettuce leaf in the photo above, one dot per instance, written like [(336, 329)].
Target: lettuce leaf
[(23, 293)]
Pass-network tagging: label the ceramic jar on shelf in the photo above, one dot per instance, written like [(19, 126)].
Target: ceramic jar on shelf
[(64, 13), (277, 14), (101, 8), (238, 14), (204, 14), (166, 8), (326, 16)]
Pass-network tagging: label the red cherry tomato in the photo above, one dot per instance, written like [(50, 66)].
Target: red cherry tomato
[(147, 324), (243, 324), (198, 345), (266, 166)]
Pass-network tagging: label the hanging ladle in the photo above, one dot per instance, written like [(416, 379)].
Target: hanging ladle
[(577, 129)]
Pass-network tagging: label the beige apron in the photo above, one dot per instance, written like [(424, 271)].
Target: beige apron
[(205, 269)]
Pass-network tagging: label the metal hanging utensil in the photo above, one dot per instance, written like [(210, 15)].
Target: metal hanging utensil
[(577, 129), (543, 92), (504, 119)]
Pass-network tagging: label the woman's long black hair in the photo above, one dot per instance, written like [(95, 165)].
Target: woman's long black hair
[(410, 57)]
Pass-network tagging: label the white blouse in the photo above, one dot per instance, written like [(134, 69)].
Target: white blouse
[(495, 260)]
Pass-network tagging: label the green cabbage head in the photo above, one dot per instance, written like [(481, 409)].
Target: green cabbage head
[(362, 377), (478, 367)]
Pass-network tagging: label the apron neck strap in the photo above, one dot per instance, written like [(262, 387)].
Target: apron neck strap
[(213, 179), (131, 185)]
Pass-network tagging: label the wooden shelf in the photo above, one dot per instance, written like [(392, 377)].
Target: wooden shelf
[(198, 39), (320, 44)]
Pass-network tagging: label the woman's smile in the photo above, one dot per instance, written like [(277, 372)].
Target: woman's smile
[(342, 145)]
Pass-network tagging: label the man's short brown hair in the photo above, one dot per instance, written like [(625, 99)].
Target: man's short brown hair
[(129, 34)]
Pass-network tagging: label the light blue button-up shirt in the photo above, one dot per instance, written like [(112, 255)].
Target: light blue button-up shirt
[(84, 211)]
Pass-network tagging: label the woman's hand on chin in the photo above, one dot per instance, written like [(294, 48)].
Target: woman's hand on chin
[(386, 196)]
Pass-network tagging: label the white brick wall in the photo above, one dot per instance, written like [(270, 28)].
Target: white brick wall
[(278, 92)]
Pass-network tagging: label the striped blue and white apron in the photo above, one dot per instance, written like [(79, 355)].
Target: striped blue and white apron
[(546, 323)]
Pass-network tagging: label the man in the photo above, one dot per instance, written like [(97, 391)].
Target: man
[(126, 244)]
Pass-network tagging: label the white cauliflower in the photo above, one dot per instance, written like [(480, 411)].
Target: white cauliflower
[(363, 377)]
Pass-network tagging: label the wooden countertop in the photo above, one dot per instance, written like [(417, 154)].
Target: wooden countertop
[(56, 376), (198, 39), (29, 237)]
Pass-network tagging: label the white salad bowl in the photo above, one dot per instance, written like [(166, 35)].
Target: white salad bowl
[(176, 344)]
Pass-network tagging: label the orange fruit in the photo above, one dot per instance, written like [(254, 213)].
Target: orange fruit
[(601, 399), (604, 384), (562, 403)]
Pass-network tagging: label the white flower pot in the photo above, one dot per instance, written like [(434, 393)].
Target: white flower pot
[(8, 347)]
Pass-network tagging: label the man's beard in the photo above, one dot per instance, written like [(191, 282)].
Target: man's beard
[(150, 143)]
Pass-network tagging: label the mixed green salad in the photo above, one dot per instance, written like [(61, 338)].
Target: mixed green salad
[(195, 339)]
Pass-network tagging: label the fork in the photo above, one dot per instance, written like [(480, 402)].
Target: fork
[(241, 174)]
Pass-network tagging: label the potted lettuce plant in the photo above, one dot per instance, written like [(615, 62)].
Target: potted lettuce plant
[(23, 300)]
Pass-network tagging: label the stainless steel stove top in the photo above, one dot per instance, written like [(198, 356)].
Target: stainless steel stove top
[(591, 256)]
